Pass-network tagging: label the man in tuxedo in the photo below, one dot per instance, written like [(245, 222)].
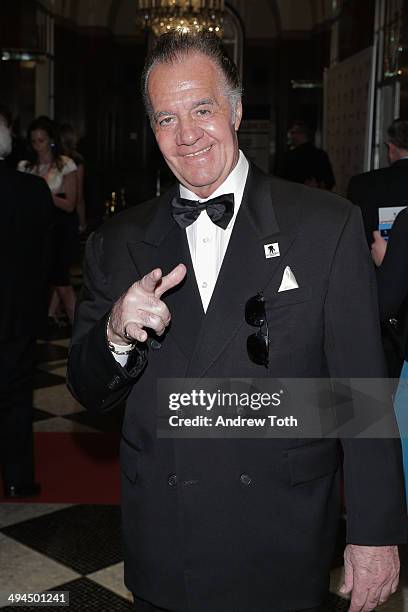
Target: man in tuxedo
[(233, 525), (304, 162), (26, 208), (386, 186)]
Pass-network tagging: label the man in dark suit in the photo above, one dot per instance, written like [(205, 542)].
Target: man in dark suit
[(386, 186), (304, 162), (18, 146), (26, 206), (242, 525)]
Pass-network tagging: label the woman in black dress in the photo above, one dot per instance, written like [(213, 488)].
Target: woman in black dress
[(59, 171)]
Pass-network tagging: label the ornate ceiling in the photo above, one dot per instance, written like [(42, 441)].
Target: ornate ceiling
[(261, 18)]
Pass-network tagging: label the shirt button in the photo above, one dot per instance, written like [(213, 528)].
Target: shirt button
[(204, 285), (245, 479), (172, 480), (206, 240)]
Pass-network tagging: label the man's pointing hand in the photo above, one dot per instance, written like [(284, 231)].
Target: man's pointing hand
[(140, 307)]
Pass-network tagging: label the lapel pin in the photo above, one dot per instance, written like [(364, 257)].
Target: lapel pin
[(271, 250)]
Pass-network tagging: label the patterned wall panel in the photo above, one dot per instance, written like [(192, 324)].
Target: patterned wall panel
[(348, 95)]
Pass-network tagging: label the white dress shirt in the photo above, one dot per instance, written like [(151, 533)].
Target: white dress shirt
[(207, 242)]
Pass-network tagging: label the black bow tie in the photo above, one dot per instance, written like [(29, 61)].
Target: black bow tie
[(220, 210)]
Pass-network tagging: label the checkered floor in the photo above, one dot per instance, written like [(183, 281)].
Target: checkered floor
[(77, 548), (54, 407), (74, 548)]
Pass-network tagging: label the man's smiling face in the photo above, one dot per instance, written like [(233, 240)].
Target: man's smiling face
[(193, 122)]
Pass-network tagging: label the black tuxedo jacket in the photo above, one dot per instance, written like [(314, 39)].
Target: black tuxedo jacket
[(199, 535), (378, 188), (26, 207)]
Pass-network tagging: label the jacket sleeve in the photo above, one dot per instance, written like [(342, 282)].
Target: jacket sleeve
[(375, 499), (95, 378)]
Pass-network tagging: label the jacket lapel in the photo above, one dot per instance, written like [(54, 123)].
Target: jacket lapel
[(262, 219), (245, 269), (165, 245)]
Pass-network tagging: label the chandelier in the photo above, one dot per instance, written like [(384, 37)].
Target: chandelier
[(161, 16)]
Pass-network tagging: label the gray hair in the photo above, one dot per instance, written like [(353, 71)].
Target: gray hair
[(174, 46), (398, 133), (5, 140)]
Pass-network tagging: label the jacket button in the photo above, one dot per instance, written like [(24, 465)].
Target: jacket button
[(155, 344), (245, 479), (172, 480)]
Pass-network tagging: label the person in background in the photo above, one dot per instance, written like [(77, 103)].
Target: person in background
[(6, 119), (68, 140), (59, 171), (176, 288), (18, 145), (69, 143), (392, 277), (304, 162), (385, 187), (26, 211)]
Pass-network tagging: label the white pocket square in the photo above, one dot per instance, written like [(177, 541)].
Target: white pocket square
[(288, 280)]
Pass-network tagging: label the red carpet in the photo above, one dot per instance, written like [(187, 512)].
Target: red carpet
[(79, 468)]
